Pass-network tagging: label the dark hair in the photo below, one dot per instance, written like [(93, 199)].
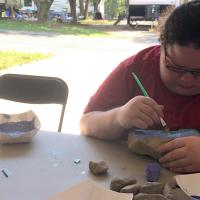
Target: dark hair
[(182, 25)]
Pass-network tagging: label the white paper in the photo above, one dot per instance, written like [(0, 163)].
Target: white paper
[(189, 183), (88, 190)]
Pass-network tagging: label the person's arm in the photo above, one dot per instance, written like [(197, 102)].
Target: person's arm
[(116, 106), (140, 112), (102, 125)]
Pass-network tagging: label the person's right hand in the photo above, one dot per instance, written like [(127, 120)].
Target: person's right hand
[(140, 112)]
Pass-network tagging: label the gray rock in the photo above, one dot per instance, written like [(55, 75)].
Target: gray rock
[(118, 183), (173, 184), (180, 195), (134, 188), (98, 168), (152, 188), (142, 196), (167, 192)]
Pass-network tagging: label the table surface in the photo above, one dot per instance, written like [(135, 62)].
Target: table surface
[(46, 166)]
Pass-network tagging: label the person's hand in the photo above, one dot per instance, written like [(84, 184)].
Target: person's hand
[(140, 112), (181, 154)]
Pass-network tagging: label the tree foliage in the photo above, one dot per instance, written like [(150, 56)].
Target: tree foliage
[(114, 7)]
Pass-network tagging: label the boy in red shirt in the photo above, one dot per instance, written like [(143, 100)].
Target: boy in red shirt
[(171, 75)]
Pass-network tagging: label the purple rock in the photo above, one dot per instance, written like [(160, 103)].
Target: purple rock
[(152, 172)]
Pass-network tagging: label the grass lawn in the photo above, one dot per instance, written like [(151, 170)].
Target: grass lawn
[(12, 58), (91, 28)]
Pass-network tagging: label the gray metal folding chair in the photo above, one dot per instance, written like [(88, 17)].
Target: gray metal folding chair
[(35, 90)]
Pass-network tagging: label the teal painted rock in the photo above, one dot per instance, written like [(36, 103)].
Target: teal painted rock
[(147, 142)]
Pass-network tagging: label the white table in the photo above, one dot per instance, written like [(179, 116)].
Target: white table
[(46, 166)]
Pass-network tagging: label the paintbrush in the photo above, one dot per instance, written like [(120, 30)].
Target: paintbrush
[(162, 121)]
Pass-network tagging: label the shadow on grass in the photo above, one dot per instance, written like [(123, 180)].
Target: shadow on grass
[(51, 29)]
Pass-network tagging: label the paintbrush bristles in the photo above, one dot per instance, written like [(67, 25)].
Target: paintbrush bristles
[(166, 128)]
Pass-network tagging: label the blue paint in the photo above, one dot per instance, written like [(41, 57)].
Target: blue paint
[(164, 134)]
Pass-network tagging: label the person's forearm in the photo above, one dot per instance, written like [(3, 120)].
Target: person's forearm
[(103, 125)]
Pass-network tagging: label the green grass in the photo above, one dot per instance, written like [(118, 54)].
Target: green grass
[(12, 58), (86, 28)]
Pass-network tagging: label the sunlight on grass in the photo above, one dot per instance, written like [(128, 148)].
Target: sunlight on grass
[(12, 58), (85, 29), (97, 22)]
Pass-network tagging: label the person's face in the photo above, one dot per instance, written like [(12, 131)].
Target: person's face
[(180, 69)]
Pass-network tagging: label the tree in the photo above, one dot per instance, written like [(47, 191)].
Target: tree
[(83, 4), (97, 13), (96, 5), (72, 4), (43, 9), (114, 7), (86, 9)]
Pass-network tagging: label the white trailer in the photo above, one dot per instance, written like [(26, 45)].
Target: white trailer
[(148, 10), (151, 2)]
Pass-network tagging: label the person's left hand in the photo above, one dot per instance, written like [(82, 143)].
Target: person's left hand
[(181, 154)]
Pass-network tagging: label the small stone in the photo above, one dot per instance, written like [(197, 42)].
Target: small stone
[(152, 172), (77, 161), (143, 196), (118, 183), (134, 188), (98, 168), (173, 184), (152, 188), (167, 192)]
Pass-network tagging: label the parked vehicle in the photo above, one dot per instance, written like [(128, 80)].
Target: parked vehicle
[(62, 16), (147, 10)]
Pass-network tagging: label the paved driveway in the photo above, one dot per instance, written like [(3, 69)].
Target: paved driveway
[(82, 62)]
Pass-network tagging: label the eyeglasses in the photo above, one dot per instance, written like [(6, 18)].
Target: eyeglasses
[(178, 68)]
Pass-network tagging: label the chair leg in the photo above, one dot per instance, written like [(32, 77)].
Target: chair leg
[(61, 118)]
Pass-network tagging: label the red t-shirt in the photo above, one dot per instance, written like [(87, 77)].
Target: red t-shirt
[(119, 87)]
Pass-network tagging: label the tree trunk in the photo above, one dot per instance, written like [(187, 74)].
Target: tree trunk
[(86, 9), (81, 5), (73, 10), (97, 13), (96, 5), (12, 12), (43, 9)]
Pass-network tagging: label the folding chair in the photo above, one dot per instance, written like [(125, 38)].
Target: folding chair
[(35, 90)]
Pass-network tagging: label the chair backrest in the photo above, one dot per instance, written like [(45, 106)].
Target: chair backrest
[(34, 90)]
